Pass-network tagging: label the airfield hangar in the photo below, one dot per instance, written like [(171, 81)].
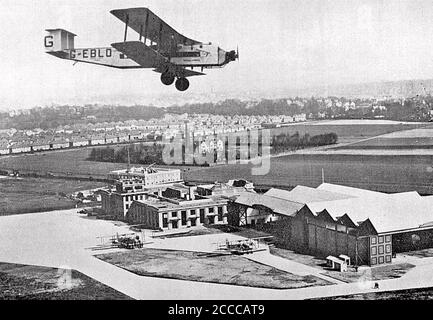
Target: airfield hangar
[(370, 227)]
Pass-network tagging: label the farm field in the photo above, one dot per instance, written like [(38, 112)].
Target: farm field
[(380, 173), (42, 283), (408, 139), (25, 195), (348, 131), (193, 266)]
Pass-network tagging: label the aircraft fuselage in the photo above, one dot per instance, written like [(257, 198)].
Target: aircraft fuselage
[(200, 56)]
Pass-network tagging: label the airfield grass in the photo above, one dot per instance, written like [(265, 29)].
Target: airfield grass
[(68, 163), (26, 282), (346, 132), (59, 162), (194, 266), (385, 173), (389, 271), (402, 173), (26, 195), (410, 294)]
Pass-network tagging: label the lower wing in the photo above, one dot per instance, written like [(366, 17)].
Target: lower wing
[(149, 58)]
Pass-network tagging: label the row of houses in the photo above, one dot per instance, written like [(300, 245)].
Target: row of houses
[(15, 147)]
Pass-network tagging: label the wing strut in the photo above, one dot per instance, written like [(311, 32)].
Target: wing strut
[(160, 35), (126, 27), (146, 28)]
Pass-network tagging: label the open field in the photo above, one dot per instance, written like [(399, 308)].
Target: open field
[(391, 143), (25, 195), (403, 173), (384, 173), (72, 162), (411, 294), (421, 138), (67, 163), (348, 130), (194, 266), (43, 283)]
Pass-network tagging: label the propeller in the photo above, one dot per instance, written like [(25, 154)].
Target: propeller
[(237, 52)]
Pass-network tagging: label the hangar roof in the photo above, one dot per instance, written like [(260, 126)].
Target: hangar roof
[(281, 206), (306, 194), (388, 213)]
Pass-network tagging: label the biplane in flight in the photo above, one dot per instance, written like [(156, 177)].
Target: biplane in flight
[(159, 47)]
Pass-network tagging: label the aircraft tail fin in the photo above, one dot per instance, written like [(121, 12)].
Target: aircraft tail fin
[(58, 40)]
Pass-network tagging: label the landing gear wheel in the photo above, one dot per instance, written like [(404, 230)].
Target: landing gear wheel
[(167, 79), (182, 84)]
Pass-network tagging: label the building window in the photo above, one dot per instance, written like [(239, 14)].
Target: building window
[(373, 261), (381, 239), (220, 213), (165, 222), (183, 216), (373, 251), (211, 210), (388, 248), (381, 260), (380, 249), (127, 206), (192, 212), (373, 240), (174, 214), (388, 259), (329, 226), (387, 238)]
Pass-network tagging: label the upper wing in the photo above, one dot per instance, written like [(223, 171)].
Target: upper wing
[(140, 53), (150, 26)]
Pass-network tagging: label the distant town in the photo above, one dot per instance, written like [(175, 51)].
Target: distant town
[(60, 127)]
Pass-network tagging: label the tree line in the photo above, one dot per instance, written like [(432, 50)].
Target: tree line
[(153, 154), (138, 153), (286, 142)]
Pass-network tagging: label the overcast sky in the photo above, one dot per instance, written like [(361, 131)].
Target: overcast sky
[(283, 43)]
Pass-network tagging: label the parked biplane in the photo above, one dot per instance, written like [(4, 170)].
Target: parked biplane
[(125, 241), (244, 246), (158, 47)]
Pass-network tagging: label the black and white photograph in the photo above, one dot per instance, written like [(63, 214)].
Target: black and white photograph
[(216, 150)]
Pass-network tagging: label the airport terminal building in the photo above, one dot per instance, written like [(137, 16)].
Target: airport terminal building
[(370, 227)]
